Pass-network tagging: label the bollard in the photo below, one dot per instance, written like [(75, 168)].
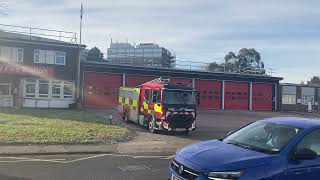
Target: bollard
[(110, 118)]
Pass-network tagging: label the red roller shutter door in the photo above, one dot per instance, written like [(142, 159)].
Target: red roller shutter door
[(101, 89), (180, 80), (135, 80), (209, 94), (236, 95), (262, 96)]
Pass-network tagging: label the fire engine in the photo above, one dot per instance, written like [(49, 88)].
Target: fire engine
[(159, 105)]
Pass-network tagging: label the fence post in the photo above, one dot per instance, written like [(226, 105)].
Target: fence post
[(30, 33)]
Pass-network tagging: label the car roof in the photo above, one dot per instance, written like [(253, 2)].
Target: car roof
[(298, 122)]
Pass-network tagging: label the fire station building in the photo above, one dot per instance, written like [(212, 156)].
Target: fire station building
[(36, 72), (216, 90)]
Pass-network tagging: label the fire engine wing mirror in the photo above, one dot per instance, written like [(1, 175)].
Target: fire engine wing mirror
[(198, 101)]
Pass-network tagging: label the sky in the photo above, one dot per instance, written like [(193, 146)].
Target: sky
[(286, 32)]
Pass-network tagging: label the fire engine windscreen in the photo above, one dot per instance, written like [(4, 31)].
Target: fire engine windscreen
[(179, 97)]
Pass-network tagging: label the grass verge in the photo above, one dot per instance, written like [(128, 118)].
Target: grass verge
[(57, 126)]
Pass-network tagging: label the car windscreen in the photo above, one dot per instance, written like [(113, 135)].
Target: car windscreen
[(263, 136), (179, 97)]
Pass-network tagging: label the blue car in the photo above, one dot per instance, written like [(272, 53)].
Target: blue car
[(284, 148)]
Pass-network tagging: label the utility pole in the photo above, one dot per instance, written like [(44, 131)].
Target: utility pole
[(78, 74)]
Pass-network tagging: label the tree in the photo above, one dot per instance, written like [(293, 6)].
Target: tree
[(315, 81), (95, 54), (214, 67), (247, 60)]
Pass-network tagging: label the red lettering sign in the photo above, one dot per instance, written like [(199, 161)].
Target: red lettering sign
[(19, 69)]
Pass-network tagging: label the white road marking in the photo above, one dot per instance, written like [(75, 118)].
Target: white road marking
[(86, 158), (64, 161)]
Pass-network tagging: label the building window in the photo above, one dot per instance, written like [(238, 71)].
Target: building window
[(43, 89), (20, 55), (30, 88), (36, 58), (307, 95), (67, 89), (11, 54), (49, 57), (288, 99), (306, 99), (60, 58), (56, 89), (5, 89)]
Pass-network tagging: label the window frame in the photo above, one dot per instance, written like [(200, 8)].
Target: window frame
[(297, 144), (64, 56), (14, 54), (36, 55), (55, 83), (147, 99), (43, 96), (288, 102), (72, 90), (26, 94), (10, 89), (56, 55), (22, 54)]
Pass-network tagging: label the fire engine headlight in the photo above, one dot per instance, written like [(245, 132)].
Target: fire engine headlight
[(229, 175)]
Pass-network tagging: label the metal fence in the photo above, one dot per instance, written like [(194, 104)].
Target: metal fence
[(200, 66), (33, 32)]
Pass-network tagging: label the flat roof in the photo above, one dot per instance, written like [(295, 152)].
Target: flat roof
[(172, 72)]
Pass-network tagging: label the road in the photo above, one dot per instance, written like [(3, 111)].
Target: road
[(85, 167), (211, 125)]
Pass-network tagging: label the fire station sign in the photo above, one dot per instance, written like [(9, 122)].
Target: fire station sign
[(19, 69)]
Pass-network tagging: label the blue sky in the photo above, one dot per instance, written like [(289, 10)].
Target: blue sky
[(285, 32)]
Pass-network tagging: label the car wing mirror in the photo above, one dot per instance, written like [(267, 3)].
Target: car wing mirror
[(229, 133), (304, 154)]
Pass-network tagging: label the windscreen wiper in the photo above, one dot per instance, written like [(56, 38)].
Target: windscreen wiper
[(250, 147)]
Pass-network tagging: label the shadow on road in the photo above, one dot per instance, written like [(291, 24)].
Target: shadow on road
[(4, 177)]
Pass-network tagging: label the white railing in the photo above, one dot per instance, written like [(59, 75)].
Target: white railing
[(32, 32)]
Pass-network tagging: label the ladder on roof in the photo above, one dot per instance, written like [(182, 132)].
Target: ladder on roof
[(158, 81)]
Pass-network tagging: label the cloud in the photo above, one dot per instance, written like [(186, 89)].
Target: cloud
[(285, 32)]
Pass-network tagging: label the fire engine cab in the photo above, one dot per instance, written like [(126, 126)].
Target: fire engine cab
[(159, 105)]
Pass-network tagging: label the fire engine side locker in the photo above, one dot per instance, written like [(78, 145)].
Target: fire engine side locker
[(129, 102)]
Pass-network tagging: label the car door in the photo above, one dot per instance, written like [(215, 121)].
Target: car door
[(305, 169)]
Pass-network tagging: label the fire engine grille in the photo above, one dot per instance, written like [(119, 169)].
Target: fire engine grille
[(180, 121)]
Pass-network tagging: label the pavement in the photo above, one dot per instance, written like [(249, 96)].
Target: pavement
[(211, 125)]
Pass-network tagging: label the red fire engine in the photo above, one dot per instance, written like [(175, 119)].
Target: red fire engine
[(159, 105)]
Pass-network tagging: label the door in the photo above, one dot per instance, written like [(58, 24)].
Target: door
[(180, 80), (136, 80), (209, 94), (101, 90), (236, 95), (305, 169), (262, 96), (6, 98)]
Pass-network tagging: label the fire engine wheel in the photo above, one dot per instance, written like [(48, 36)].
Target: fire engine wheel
[(151, 124)]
